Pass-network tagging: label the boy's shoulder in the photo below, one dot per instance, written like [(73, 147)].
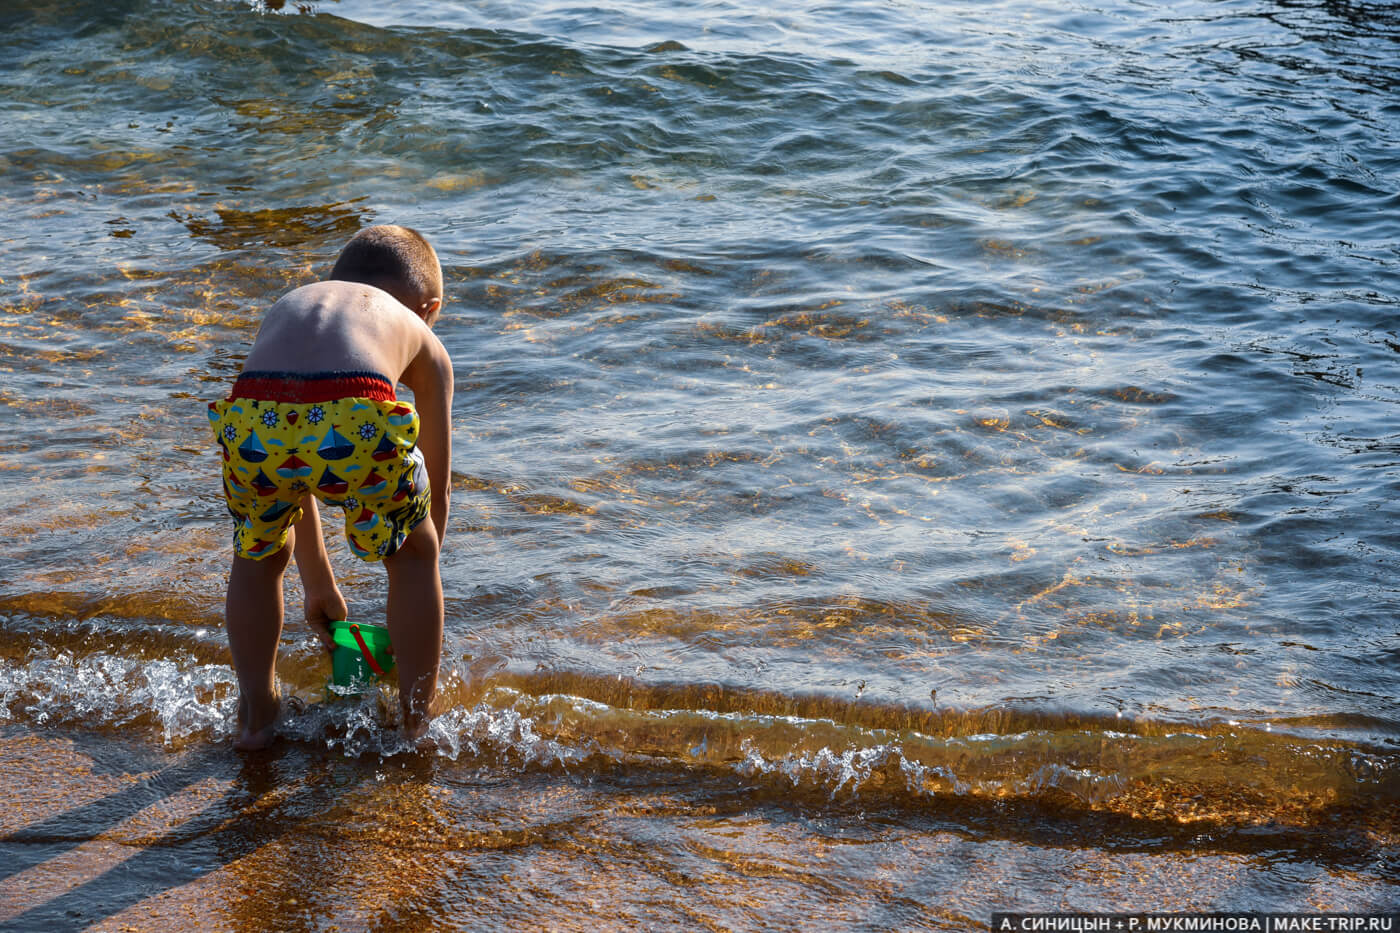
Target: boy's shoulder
[(349, 307), (335, 295), (335, 325)]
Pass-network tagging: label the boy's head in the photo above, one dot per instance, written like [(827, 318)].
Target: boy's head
[(397, 260)]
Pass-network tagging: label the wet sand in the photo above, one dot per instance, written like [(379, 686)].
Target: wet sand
[(101, 834)]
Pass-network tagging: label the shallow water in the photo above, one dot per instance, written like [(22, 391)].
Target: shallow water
[(910, 461)]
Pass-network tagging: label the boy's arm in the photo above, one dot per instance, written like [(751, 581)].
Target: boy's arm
[(324, 603), (430, 378)]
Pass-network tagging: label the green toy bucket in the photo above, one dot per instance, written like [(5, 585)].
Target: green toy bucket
[(361, 653)]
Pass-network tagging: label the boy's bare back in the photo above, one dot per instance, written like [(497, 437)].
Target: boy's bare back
[(341, 326)]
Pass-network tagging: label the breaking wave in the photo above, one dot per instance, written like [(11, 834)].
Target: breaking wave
[(1222, 775)]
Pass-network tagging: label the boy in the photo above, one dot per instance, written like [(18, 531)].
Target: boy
[(313, 416)]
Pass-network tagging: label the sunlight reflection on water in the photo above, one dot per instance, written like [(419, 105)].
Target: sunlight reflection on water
[(837, 389)]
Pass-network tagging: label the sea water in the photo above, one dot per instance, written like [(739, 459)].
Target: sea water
[(910, 460)]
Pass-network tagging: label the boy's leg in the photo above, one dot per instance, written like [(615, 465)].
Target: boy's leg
[(324, 603), (253, 616), (415, 623)]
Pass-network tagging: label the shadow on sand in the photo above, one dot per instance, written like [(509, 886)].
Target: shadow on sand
[(271, 795)]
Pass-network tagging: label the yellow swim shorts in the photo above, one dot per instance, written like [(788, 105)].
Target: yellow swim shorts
[(343, 437)]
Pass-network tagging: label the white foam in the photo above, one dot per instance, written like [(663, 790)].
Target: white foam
[(849, 770), (183, 697)]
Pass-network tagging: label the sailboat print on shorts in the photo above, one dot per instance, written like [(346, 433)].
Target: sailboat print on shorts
[(387, 449), (276, 511), (332, 485), (262, 485), (252, 449), (373, 484), (367, 521), (335, 446), (294, 468)]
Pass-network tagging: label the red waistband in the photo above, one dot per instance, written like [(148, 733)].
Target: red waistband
[(312, 387)]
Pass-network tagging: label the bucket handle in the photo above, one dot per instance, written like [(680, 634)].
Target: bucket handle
[(364, 649)]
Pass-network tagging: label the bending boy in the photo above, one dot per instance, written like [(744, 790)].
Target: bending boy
[(314, 416)]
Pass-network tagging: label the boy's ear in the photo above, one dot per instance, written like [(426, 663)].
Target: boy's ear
[(427, 308)]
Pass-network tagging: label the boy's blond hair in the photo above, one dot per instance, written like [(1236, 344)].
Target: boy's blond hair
[(395, 259)]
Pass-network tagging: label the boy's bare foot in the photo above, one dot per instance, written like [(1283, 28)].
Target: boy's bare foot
[(415, 727), (257, 723)]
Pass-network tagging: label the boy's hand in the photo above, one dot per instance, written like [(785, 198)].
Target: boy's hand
[(321, 610)]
